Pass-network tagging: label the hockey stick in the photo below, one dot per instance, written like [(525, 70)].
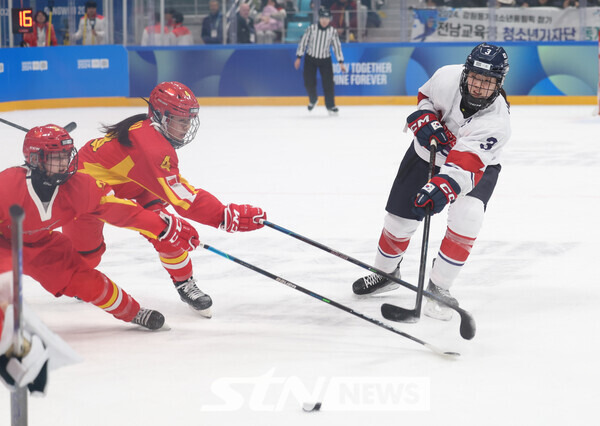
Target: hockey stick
[(69, 127), (328, 301), (11, 124), (18, 397), (467, 323), (396, 313), (49, 38)]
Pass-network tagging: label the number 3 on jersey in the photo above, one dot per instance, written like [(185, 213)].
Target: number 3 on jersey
[(489, 144)]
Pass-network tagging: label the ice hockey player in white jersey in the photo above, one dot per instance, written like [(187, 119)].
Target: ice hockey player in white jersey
[(464, 109)]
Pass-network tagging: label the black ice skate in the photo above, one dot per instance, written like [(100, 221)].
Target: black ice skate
[(333, 111), (374, 284), (193, 296), (434, 309), (148, 318), (312, 105)]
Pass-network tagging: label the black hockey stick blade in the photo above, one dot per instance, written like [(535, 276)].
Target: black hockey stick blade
[(70, 127), (398, 314)]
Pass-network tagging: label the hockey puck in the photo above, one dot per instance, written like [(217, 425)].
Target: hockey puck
[(311, 406)]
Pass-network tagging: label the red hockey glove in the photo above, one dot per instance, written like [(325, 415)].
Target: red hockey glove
[(425, 126), (178, 233), (242, 218), (438, 192)]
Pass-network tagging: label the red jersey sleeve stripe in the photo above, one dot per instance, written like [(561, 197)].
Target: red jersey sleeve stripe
[(420, 97), (467, 161)]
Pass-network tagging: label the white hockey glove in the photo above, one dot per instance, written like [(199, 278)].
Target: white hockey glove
[(30, 370)]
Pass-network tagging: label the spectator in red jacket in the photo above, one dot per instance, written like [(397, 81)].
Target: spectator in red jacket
[(183, 35), (39, 36), (344, 19)]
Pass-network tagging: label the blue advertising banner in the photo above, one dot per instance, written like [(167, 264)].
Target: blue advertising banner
[(536, 69), (554, 69), (63, 72)]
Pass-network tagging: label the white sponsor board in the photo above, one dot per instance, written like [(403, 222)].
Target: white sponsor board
[(509, 24)]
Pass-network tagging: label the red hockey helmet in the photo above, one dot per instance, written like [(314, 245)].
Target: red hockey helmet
[(174, 108), (49, 149)]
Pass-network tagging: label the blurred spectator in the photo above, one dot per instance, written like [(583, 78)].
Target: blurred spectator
[(183, 35), (343, 14), (570, 3), (269, 23), (540, 3), (153, 37), (92, 27), (212, 25), (39, 36), (458, 3), (245, 26), (170, 18), (290, 6)]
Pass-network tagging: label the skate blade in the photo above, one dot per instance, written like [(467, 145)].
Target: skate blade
[(437, 311), (206, 313), (165, 327), (385, 289)]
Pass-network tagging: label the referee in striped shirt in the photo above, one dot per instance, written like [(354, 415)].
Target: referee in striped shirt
[(317, 42)]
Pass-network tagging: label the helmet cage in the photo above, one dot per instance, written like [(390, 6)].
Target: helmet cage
[(58, 178), (487, 60), (170, 126)]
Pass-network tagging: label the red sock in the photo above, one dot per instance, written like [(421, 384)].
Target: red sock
[(391, 246)]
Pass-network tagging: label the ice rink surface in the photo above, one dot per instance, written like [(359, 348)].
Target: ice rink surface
[(529, 284)]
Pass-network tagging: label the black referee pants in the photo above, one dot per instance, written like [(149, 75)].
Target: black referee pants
[(311, 65)]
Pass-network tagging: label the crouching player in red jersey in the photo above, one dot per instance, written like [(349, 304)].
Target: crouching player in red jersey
[(52, 195), (137, 159)]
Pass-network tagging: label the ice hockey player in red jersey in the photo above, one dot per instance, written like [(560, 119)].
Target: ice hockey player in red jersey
[(464, 109), (137, 158), (52, 194)]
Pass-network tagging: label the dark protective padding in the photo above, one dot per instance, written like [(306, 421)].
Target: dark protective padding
[(412, 176)]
